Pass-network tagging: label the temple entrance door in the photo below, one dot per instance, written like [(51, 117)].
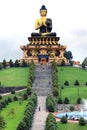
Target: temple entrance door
[(43, 59)]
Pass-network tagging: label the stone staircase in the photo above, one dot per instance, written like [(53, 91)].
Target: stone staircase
[(42, 84)]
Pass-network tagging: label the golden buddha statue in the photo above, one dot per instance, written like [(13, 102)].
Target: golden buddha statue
[(43, 24)]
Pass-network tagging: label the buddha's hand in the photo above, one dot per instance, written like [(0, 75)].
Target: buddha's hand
[(44, 22)]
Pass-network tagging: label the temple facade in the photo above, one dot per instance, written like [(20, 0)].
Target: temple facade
[(43, 47)]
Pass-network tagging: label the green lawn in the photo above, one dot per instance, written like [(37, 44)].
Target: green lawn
[(11, 119), (73, 93), (71, 74), (14, 76), (71, 126)]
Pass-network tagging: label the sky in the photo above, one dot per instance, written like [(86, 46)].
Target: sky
[(17, 22)]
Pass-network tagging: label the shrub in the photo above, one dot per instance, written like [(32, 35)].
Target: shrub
[(25, 96), (6, 102), (60, 101), (0, 83), (86, 83), (76, 83), (0, 97), (82, 121), (79, 101), (64, 120), (66, 100), (22, 126), (26, 123), (13, 92), (3, 104), (51, 123), (9, 99), (50, 103), (55, 91), (66, 83), (2, 123), (62, 87), (29, 90), (15, 98), (72, 108)]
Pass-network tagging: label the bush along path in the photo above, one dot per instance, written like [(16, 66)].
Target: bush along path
[(26, 122), (42, 86)]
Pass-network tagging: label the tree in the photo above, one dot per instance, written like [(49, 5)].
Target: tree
[(11, 63), (68, 55), (16, 64), (84, 63), (24, 64), (0, 66), (2, 123), (4, 64), (63, 63)]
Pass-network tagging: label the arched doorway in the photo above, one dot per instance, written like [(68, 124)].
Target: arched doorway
[(43, 59)]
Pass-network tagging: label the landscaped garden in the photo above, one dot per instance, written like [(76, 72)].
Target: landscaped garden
[(70, 82)]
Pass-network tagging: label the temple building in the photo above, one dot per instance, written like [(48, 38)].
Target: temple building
[(43, 47)]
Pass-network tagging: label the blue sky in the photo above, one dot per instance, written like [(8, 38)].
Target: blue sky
[(17, 21)]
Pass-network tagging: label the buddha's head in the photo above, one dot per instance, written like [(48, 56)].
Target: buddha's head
[(43, 11)]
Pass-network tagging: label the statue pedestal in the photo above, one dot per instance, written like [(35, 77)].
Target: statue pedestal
[(43, 49)]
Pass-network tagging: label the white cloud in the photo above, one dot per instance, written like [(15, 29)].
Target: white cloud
[(17, 19)]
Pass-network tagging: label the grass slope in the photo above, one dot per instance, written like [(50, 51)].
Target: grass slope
[(71, 126), (71, 74), (13, 120), (14, 76), (72, 93)]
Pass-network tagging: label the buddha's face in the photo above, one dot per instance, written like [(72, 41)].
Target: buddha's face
[(43, 13)]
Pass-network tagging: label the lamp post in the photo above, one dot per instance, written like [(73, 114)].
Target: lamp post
[(78, 91), (61, 91)]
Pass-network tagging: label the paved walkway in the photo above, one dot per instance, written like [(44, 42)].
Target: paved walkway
[(40, 116)]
